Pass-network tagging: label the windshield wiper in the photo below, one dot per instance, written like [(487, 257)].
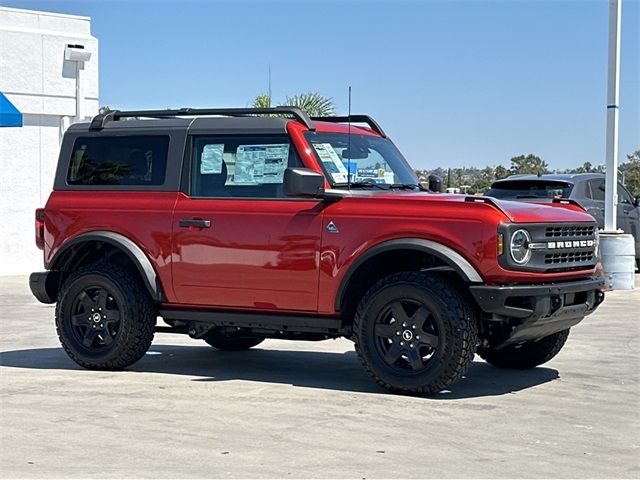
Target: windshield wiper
[(404, 186), (380, 186), (529, 196), (363, 185)]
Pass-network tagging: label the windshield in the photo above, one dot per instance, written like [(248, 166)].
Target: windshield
[(368, 161), (530, 189)]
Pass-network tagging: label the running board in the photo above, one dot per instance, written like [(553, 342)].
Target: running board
[(277, 323)]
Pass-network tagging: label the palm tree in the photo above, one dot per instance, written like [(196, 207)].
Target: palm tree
[(314, 104), (262, 101)]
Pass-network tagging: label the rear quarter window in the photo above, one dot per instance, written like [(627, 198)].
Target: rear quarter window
[(596, 189), (119, 161)]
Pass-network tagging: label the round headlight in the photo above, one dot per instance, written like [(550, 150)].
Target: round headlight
[(519, 246)]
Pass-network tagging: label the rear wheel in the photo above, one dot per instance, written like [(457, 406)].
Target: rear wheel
[(232, 342), (528, 354), (105, 318), (415, 333)]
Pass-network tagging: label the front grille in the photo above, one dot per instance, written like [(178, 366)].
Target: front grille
[(568, 257), (569, 231), (555, 247)]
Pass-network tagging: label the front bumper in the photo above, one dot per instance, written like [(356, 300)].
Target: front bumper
[(536, 311)]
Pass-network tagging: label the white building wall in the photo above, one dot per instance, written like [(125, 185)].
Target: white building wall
[(37, 79)]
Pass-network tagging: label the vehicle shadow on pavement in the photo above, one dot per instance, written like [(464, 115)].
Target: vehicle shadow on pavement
[(327, 370)]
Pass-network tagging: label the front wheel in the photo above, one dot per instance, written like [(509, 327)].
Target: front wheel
[(415, 333), (528, 354)]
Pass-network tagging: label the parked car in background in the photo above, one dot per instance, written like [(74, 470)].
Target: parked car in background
[(585, 188)]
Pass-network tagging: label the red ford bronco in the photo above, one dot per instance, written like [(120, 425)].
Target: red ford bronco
[(236, 225)]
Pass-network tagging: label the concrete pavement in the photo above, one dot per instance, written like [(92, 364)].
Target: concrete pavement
[(296, 409)]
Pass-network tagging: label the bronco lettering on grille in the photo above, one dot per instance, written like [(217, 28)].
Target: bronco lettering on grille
[(571, 244)]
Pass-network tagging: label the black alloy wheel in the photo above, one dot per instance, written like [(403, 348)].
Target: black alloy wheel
[(96, 317), (407, 335)]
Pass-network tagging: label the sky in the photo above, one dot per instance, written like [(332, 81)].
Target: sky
[(453, 83)]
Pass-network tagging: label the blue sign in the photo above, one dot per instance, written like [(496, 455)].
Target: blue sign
[(352, 167), (10, 116)]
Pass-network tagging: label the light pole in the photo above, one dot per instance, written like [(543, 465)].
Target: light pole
[(613, 86), (617, 249), (78, 55)]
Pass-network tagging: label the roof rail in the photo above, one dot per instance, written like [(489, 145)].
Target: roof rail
[(99, 121), (354, 118)]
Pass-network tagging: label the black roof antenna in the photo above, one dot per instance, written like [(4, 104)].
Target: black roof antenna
[(349, 143)]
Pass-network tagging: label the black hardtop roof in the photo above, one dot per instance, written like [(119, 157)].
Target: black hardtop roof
[(218, 124), (553, 177), (238, 120)]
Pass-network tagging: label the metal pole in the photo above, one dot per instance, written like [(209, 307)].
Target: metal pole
[(613, 86), (79, 112)]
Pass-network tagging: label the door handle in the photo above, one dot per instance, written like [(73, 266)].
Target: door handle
[(195, 222)]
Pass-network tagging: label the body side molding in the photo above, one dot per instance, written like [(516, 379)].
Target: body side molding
[(133, 251)]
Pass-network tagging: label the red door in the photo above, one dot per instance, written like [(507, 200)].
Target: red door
[(254, 253), (238, 242)]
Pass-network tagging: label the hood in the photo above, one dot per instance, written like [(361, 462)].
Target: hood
[(517, 212), (531, 212)]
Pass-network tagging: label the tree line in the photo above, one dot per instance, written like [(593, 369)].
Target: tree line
[(478, 180)]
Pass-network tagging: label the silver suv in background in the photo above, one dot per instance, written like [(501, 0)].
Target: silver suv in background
[(585, 188)]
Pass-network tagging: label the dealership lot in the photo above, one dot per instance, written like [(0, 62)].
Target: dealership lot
[(296, 409)]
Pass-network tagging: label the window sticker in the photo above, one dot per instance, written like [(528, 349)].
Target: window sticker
[(275, 163), (261, 164), (339, 178), (211, 159), (331, 162)]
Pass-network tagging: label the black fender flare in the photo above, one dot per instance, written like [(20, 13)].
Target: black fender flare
[(452, 258), (128, 246)]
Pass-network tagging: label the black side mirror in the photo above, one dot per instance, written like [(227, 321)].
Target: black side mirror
[(303, 182), (435, 183), (637, 201)]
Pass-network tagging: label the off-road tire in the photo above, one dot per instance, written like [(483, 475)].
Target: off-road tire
[(450, 312), (526, 355), (232, 342), (134, 330)]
